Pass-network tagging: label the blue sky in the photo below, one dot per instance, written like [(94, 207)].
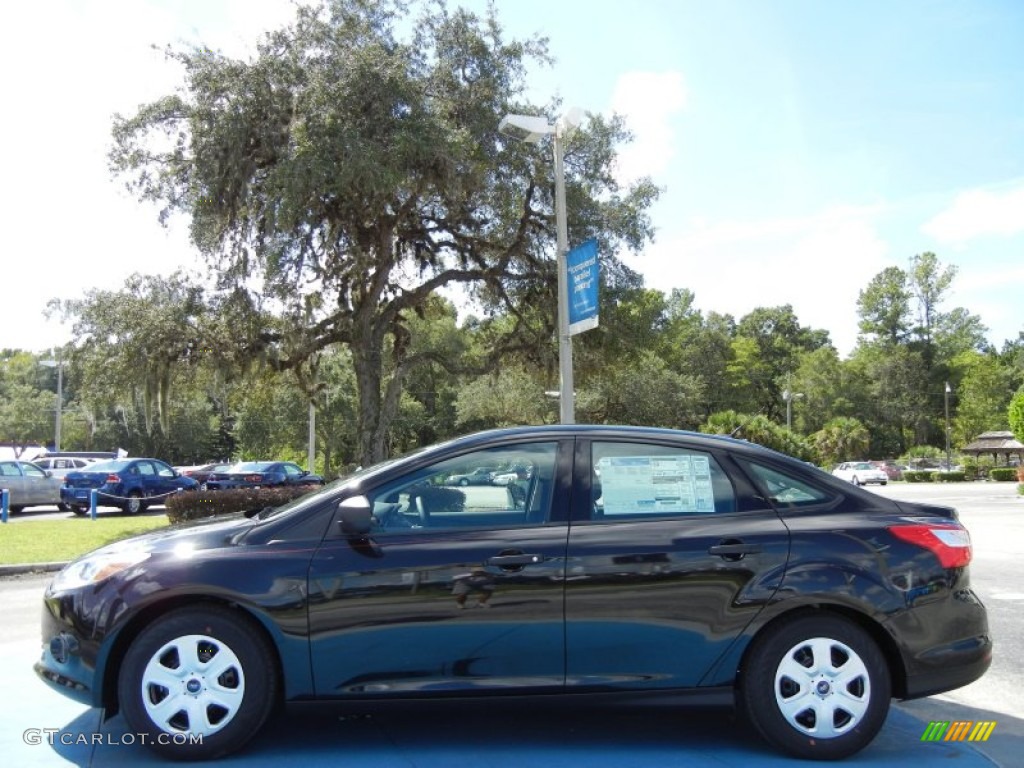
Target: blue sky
[(802, 146)]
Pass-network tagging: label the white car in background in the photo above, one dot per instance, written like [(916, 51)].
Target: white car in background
[(860, 473)]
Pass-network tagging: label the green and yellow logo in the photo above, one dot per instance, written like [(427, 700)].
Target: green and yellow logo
[(958, 730)]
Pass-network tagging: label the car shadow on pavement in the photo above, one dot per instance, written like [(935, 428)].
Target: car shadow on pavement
[(451, 735)]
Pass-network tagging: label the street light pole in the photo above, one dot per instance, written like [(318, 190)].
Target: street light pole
[(788, 397), (59, 365), (531, 128), (948, 390), (567, 405)]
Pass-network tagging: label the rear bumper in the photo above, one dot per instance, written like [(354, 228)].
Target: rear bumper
[(945, 644), (951, 666)]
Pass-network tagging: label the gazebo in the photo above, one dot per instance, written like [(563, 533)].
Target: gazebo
[(998, 444)]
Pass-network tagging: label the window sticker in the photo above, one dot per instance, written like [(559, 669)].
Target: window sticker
[(656, 485)]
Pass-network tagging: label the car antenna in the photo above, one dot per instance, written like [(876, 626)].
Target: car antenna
[(742, 424)]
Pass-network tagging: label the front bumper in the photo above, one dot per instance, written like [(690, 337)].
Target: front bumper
[(66, 663)]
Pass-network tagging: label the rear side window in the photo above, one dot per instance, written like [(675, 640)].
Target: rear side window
[(786, 490), (637, 480)]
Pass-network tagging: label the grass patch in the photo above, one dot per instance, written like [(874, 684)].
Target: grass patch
[(50, 541)]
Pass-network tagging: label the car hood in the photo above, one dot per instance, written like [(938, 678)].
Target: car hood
[(196, 535)]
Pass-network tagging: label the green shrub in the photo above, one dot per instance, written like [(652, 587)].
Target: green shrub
[(949, 477), (918, 475), (1020, 489), (1003, 474), (195, 505)]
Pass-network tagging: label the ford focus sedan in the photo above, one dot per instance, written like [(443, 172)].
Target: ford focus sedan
[(131, 484), (260, 474), (638, 564)]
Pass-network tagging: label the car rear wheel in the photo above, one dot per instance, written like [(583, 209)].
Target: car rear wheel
[(195, 673), (81, 511), (135, 504), (817, 687)]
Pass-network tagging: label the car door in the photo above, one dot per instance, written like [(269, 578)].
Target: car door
[(671, 557), (293, 474), (12, 480), (165, 481), (454, 589), (39, 488)]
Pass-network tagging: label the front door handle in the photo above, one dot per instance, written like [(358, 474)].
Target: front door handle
[(518, 559), (733, 549)]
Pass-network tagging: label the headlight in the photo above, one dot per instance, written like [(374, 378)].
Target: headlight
[(96, 567)]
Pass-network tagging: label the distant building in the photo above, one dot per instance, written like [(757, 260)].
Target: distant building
[(998, 444)]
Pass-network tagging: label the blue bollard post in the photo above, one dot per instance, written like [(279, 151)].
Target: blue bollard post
[(93, 497), (5, 504)]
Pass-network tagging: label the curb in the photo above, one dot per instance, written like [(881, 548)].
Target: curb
[(21, 568)]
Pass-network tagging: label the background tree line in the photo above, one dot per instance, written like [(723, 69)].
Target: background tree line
[(347, 184), (154, 370)]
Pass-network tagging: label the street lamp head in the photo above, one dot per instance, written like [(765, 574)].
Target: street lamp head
[(529, 128)]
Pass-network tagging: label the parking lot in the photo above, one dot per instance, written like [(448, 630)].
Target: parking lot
[(41, 728)]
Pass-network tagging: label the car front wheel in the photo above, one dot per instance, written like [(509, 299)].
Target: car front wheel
[(816, 687), (199, 682)]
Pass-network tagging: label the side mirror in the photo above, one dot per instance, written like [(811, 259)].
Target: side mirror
[(355, 515)]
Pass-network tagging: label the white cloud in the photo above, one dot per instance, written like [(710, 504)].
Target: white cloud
[(979, 212), (647, 101)]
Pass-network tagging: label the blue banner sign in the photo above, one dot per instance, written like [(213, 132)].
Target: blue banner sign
[(581, 262)]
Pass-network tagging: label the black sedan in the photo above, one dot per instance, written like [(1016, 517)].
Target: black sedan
[(130, 484), (640, 564), (261, 474)]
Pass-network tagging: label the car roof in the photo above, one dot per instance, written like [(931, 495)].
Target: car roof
[(606, 431)]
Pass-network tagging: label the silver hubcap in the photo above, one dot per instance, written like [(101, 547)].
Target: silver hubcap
[(194, 684), (822, 688)]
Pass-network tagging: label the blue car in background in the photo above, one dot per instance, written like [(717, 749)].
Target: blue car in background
[(261, 474), (131, 484)]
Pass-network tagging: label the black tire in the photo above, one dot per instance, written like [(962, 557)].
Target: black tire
[(184, 647), (62, 507), (15, 509), (135, 503), (884, 482), (80, 511), (781, 679), (856, 480)]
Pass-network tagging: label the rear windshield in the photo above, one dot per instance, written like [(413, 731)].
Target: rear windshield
[(115, 465)]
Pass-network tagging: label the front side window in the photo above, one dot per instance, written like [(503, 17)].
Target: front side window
[(635, 480), (33, 471), (496, 487)]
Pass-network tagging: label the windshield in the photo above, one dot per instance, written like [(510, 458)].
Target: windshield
[(331, 488)]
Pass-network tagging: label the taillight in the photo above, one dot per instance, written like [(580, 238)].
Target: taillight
[(112, 478), (950, 543), (254, 478)]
